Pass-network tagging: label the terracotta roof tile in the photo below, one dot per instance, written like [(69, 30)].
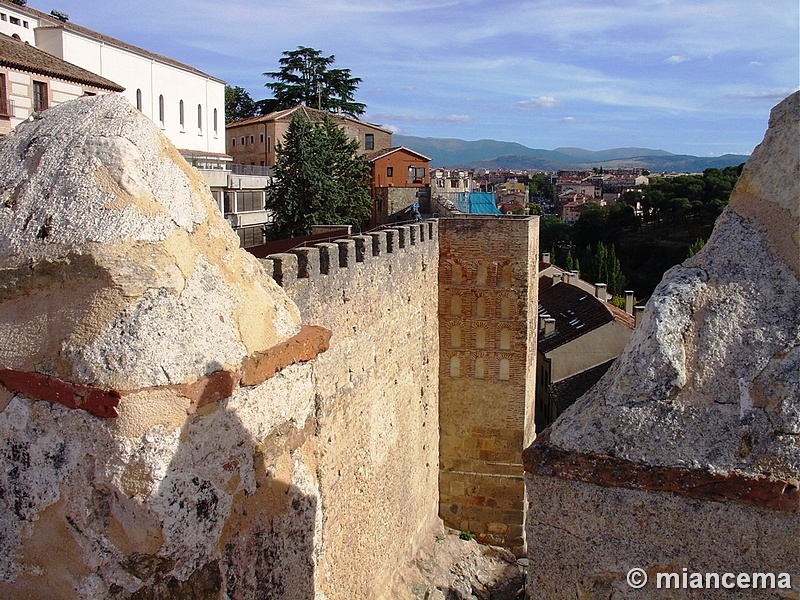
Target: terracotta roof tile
[(19, 55), (576, 313)]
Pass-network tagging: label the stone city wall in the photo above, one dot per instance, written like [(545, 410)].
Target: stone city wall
[(167, 431), (376, 398)]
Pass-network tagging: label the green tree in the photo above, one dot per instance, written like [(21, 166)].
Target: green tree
[(696, 247), (238, 104), (305, 77), (601, 265), (320, 178)]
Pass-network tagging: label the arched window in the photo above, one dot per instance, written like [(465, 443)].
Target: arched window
[(504, 369), (161, 110), (455, 336), (456, 275), (199, 119), (505, 339), (139, 100), (505, 308), (481, 276), (455, 305), (505, 277), (480, 307), (455, 366), (480, 368), (180, 114), (480, 337)]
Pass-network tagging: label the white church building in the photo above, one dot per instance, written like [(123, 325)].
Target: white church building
[(186, 103)]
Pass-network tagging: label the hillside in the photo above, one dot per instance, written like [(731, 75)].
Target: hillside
[(491, 154)]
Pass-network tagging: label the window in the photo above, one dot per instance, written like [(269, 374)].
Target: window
[(139, 100), (505, 308), (481, 275), (390, 171), (456, 274), (416, 174), (505, 278), (25, 24), (260, 138), (455, 336), (199, 119), (455, 366), (268, 143), (233, 141), (215, 122), (250, 236), (247, 201), (505, 339), (480, 307), (504, 369), (455, 305), (369, 141), (4, 107), (480, 337), (3, 17), (180, 114), (39, 95), (242, 140), (480, 368), (161, 110), (14, 21)]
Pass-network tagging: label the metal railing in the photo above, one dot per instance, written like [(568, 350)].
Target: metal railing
[(251, 170)]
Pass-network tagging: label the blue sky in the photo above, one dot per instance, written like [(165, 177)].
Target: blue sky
[(687, 76)]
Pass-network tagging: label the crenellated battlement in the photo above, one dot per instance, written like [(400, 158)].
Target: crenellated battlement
[(303, 267)]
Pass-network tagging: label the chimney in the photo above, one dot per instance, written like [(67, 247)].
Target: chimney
[(549, 325), (566, 276), (556, 278), (629, 301), (546, 257), (600, 291), (638, 314), (542, 319)]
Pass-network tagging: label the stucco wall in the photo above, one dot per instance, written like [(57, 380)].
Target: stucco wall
[(597, 346), (377, 399)]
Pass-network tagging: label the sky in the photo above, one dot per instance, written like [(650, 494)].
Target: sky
[(687, 76)]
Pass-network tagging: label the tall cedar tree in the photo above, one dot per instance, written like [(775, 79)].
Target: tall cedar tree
[(320, 179), (304, 77)]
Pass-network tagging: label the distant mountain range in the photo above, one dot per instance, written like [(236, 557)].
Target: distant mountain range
[(491, 154)]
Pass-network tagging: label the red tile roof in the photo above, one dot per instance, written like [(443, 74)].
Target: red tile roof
[(19, 55), (576, 312)]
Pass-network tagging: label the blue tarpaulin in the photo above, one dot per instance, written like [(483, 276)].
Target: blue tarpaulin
[(477, 203)]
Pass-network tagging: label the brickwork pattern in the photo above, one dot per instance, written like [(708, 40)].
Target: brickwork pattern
[(487, 289)]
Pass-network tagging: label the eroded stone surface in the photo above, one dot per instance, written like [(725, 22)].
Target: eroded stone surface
[(710, 379), (114, 255)]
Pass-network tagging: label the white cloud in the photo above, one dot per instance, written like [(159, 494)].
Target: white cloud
[(572, 120), (537, 103), (676, 59), (761, 95), (419, 118)]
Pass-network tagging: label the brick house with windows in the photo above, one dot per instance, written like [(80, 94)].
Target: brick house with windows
[(400, 177), (32, 80), (252, 141)]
